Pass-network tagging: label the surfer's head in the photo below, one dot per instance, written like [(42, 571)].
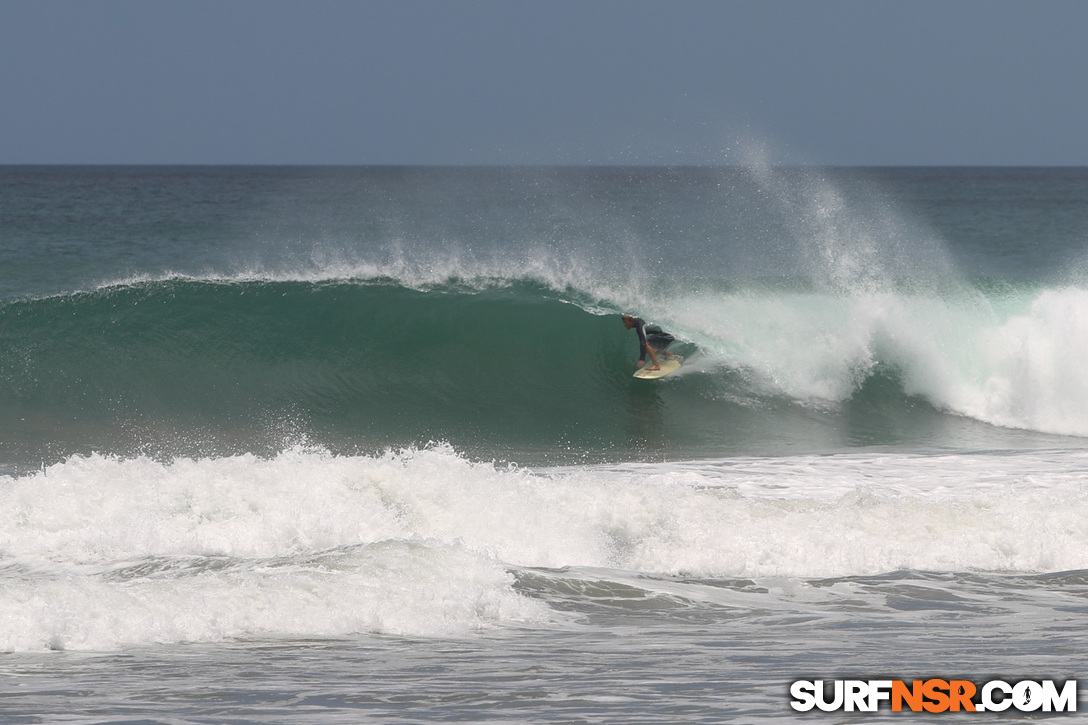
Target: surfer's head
[(628, 321)]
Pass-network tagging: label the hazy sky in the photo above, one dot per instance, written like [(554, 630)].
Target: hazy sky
[(543, 81)]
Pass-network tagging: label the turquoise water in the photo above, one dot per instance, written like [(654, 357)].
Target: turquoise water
[(294, 436)]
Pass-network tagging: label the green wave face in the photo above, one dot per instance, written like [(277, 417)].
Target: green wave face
[(509, 369), (225, 364)]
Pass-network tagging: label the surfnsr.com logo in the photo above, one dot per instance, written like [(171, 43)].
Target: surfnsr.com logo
[(934, 695)]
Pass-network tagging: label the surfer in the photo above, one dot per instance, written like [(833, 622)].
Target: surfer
[(651, 340)]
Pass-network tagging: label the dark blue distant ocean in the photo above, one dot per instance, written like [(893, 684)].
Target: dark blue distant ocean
[(316, 445)]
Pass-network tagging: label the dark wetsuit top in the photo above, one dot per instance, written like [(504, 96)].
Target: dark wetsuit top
[(658, 338)]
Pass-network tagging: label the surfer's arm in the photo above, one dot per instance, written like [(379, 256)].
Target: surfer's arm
[(643, 345), (654, 364)]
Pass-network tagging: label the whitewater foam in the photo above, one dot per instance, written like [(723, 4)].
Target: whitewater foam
[(1008, 358), (98, 552)]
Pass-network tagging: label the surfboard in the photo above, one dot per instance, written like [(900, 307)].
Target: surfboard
[(667, 368)]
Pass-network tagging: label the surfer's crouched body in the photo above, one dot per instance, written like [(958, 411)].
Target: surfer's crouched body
[(651, 340)]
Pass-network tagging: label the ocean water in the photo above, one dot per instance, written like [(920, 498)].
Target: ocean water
[(315, 445)]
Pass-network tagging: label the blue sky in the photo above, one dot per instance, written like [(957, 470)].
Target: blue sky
[(868, 82)]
